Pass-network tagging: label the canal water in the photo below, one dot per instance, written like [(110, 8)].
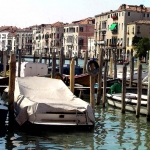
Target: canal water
[(112, 131)]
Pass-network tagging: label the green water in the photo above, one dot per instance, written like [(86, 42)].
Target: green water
[(112, 131)]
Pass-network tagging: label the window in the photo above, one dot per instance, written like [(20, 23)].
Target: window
[(77, 29), (70, 39), (81, 29), (127, 41), (81, 41), (108, 27), (108, 16), (147, 15), (3, 36), (122, 26), (128, 30), (128, 13), (57, 36), (133, 30), (138, 29), (122, 13), (144, 15)]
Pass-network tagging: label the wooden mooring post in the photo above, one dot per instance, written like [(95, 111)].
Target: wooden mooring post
[(53, 65), (148, 93), (105, 82), (100, 61), (4, 62), (139, 90), (72, 71), (49, 60), (40, 60), (115, 65), (123, 88), (131, 68), (85, 61), (92, 92), (12, 74), (19, 62), (61, 60), (110, 67)]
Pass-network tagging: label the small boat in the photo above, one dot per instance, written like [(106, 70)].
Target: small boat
[(130, 102), (3, 112), (66, 69), (46, 101), (83, 79), (135, 76)]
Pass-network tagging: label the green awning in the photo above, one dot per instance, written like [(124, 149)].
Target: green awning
[(112, 26)]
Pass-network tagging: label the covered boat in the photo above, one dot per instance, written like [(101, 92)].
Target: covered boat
[(130, 101), (47, 101)]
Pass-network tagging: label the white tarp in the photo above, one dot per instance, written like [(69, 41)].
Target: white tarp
[(32, 69), (41, 95)]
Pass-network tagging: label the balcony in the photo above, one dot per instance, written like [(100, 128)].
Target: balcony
[(103, 29), (114, 17), (112, 45), (28, 43), (101, 42), (69, 44)]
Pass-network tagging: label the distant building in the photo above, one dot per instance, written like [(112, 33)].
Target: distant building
[(76, 35), (48, 37), (111, 27), (91, 47), (139, 28), (7, 37), (23, 40)]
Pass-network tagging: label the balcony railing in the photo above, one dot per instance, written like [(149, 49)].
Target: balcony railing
[(114, 17), (101, 42), (112, 45), (28, 43)]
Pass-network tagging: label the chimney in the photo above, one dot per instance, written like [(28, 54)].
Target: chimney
[(142, 6)]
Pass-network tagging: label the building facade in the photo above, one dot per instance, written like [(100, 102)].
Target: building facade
[(139, 28), (91, 47), (111, 27), (23, 40), (48, 38), (76, 35), (7, 38)]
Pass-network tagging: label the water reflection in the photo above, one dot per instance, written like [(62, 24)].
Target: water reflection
[(112, 130)]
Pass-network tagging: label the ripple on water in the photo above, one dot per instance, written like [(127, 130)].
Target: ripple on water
[(112, 130)]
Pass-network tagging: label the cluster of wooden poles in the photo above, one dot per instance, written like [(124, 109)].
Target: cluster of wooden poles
[(113, 74), (100, 95)]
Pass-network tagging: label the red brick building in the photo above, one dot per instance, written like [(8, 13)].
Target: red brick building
[(76, 35)]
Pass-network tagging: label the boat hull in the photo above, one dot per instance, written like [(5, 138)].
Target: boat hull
[(63, 119), (130, 104)]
